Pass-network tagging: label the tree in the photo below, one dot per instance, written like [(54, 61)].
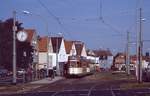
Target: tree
[(24, 54), (6, 42), (24, 49)]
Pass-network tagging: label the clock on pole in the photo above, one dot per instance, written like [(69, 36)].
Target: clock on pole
[(22, 36)]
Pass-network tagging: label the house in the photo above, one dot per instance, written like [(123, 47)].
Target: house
[(42, 52), (119, 61), (45, 53), (59, 55), (80, 49), (134, 63), (105, 58), (92, 57), (70, 48)]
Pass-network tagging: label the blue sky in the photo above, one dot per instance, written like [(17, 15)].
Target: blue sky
[(79, 20)]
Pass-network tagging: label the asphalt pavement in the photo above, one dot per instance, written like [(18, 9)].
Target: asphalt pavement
[(101, 84), (6, 88)]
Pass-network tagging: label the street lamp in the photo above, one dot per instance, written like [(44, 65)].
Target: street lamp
[(46, 23)]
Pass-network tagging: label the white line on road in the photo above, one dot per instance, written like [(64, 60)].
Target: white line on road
[(55, 93), (89, 93), (112, 92)]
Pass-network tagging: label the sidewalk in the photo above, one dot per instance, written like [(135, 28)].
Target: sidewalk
[(19, 88), (46, 80)]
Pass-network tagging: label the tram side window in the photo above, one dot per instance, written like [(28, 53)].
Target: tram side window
[(78, 64)]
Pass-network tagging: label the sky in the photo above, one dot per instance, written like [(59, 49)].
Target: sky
[(80, 20)]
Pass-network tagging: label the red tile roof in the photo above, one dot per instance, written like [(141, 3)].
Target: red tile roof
[(30, 33), (103, 53), (42, 43), (68, 46)]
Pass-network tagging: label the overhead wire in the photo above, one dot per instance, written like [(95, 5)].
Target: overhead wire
[(101, 18), (54, 16), (51, 14)]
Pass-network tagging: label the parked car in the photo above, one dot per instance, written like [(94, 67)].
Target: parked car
[(20, 72), (4, 72)]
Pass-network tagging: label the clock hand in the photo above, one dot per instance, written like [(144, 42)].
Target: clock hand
[(22, 35)]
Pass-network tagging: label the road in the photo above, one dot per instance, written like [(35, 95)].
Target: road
[(94, 85)]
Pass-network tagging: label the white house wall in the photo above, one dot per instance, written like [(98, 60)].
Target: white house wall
[(110, 61), (60, 59), (62, 56), (42, 59), (53, 59), (94, 59), (106, 63), (50, 46), (83, 53), (73, 50)]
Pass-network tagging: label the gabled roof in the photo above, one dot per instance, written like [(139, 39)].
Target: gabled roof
[(68, 46), (42, 43), (56, 42), (103, 53), (79, 46), (30, 33), (90, 53)]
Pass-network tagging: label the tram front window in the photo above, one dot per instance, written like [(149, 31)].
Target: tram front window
[(73, 64)]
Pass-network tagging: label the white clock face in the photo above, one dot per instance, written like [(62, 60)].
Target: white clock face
[(22, 36)]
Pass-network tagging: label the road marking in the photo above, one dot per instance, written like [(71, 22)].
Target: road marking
[(55, 93), (112, 92), (89, 93), (142, 92)]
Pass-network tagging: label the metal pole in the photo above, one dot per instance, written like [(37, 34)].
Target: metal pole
[(14, 48), (57, 63), (127, 56), (36, 66), (140, 47), (47, 71)]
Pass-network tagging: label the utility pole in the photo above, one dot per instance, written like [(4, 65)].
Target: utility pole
[(57, 63), (14, 47), (47, 71), (127, 55), (140, 47)]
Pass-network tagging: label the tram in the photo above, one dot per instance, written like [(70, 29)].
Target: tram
[(77, 67)]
